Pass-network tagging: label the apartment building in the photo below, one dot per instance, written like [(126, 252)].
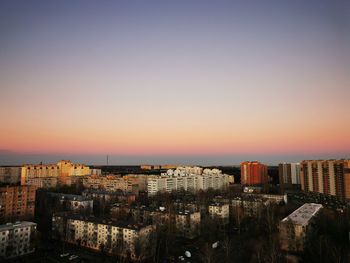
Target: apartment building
[(249, 205), (106, 196), (48, 203), (127, 183), (329, 177), (10, 175), (17, 203), (187, 179), (157, 167), (49, 175), (253, 173), (293, 229), (289, 176), (186, 222), (107, 235), (16, 239), (220, 211), (149, 215)]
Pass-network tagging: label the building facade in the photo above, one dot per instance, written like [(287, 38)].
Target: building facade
[(127, 183), (220, 211), (106, 196), (188, 179), (253, 173), (17, 203), (10, 175), (123, 239), (294, 228), (289, 176), (48, 203), (186, 222), (17, 239), (49, 175), (329, 177)]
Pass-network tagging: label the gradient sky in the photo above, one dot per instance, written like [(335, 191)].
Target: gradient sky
[(200, 82)]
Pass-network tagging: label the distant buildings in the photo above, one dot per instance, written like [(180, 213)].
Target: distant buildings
[(10, 175), (105, 235), (16, 203), (16, 239), (187, 179), (157, 167), (46, 176), (128, 183), (293, 229), (253, 173), (329, 177), (289, 175)]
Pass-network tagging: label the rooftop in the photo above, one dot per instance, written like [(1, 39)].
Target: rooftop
[(69, 197), (303, 214), (18, 224), (103, 221)]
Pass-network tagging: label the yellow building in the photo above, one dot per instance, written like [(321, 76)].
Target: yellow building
[(220, 211), (62, 172), (128, 183), (124, 239)]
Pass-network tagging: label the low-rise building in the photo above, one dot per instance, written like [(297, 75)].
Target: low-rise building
[(187, 222), (17, 239), (101, 195), (277, 199), (17, 203), (48, 203), (250, 206), (293, 229), (148, 215), (220, 211), (106, 235)]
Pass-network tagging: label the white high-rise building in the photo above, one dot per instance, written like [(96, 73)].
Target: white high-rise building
[(188, 179)]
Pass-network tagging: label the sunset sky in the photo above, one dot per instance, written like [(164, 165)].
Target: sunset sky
[(180, 82)]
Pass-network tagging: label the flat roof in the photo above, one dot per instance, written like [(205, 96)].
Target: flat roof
[(69, 197), (19, 224), (103, 221), (303, 214)]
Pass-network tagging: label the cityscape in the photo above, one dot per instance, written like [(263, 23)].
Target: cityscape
[(175, 131)]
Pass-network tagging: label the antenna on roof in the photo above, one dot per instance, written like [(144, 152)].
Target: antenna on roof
[(107, 159)]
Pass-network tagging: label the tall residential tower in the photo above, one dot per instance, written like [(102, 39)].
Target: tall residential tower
[(330, 177), (253, 173)]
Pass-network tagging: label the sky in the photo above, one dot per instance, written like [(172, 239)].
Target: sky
[(179, 82)]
